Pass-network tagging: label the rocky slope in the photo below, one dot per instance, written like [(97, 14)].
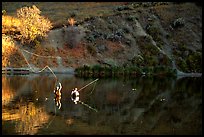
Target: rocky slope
[(141, 34)]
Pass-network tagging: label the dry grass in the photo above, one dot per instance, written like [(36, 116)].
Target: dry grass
[(70, 56), (168, 13), (59, 12), (43, 59)]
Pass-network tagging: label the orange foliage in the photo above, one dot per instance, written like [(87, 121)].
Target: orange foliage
[(8, 48), (10, 24), (28, 25), (71, 21), (32, 25)]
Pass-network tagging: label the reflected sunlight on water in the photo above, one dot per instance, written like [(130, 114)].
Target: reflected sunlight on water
[(7, 92)]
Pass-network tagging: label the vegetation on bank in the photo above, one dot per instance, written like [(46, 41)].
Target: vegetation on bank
[(130, 71)]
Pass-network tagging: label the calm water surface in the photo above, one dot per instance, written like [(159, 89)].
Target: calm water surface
[(109, 106)]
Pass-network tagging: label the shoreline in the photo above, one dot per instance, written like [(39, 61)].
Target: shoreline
[(29, 71), (70, 70)]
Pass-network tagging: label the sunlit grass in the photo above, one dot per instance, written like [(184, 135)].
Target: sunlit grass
[(59, 12)]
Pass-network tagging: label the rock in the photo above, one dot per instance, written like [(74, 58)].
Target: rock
[(73, 35), (101, 48), (186, 53), (180, 22)]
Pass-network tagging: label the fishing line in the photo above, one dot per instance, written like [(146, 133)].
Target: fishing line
[(88, 84), (53, 117), (38, 55), (42, 55), (35, 71), (92, 89), (87, 106)]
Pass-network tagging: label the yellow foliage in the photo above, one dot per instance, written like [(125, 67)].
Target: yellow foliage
[(32, 25), (30, 118), (28, 25), (8, 48), (9, 24), (71, 21)]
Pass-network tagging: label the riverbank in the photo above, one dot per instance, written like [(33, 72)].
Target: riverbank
[(37, 71), (99, 72)]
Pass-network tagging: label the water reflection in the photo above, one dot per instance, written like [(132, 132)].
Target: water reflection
[(138, 106)]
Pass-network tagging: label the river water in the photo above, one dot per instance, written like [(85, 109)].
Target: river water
[(140, 106)]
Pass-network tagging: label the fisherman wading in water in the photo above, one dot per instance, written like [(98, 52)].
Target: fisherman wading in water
[(57, 93), (75, 96)]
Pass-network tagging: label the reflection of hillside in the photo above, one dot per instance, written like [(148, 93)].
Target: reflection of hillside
[(16, 82), (146, 111), (10, 87), (18, 91)]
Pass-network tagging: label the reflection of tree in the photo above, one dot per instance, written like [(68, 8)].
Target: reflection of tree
[(10, 88), (7, 92), (29, 118), (17, 82)]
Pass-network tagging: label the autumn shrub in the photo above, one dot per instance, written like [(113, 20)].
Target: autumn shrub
[(8, 48), (10, 25), (32, 24)]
